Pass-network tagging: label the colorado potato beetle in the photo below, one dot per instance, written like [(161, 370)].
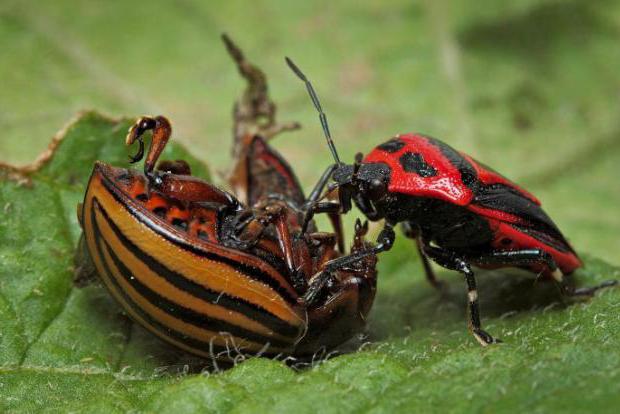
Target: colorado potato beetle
[(204, 272)]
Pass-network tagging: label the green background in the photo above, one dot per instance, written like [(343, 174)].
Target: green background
[(530, 87)]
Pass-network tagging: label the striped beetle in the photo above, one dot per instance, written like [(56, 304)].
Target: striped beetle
[(209, 274)]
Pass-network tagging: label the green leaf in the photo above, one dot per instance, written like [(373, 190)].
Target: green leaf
[(529, 87)]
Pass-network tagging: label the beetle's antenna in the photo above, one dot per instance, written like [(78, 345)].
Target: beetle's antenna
[(317, 105)]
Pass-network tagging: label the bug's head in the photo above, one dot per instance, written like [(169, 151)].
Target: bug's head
[(366, 184)]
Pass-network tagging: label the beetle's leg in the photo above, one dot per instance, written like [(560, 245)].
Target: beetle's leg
[(286, 243), (254, 111), (161, 134), (414, 233), (325, 240), (385, 240), (451, 261), (178, 167), (336, 220), (342, 313), (251, 224), (252, 228)]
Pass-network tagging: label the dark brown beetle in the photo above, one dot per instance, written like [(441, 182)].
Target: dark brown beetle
[(213, 275)]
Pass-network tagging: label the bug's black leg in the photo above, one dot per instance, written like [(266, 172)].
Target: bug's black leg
[(570, 290), (385, 240), (413, 233), (538, 256), (320, 185), (451, 261), (534, 256), (311, 202), (330, 207), (520, 258), (428, 270)]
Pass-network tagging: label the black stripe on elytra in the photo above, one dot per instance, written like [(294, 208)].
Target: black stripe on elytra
[(199, 291), (467, 171), (415, 163), (165, 330), (538, 224), (504, 198), (391, 146), (251, 271), (187, 315)]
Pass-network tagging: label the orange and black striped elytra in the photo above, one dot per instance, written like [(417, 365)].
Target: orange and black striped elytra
[(202, 271), (176, 282)]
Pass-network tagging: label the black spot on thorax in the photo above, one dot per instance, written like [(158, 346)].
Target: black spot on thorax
[(466, 170), (393, 145)]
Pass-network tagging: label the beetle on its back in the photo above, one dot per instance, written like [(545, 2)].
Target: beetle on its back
[(459, 211)]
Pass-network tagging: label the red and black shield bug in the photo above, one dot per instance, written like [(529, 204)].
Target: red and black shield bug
[(460, 212), (206, 273)]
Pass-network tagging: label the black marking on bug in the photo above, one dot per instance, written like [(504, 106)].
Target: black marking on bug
[(179, 224), (501, 197), (248, 269), (414, 162), (142, 197), (181, 282), (160, 211), (161, 329), (393, 145), (185, 314), (467, 171)]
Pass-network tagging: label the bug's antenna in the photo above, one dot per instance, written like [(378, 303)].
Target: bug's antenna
[(317, 105)]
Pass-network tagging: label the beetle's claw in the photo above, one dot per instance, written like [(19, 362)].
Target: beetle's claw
[(138, 156), (315, 287), (135, 133)]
